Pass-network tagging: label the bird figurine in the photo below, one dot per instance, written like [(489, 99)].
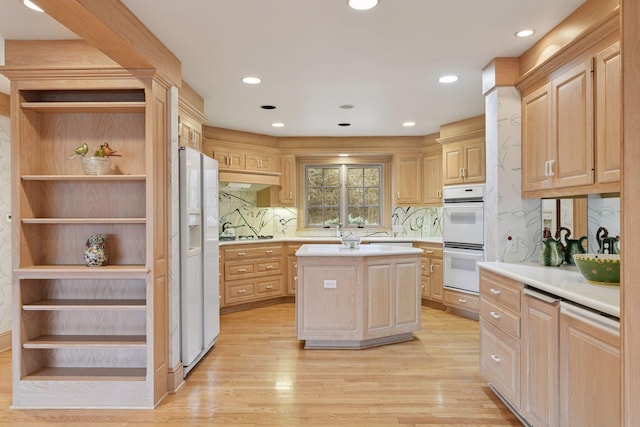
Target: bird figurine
[(108, 151), (80, 151)]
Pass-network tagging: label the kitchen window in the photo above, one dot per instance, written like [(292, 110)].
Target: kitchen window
[(350, 195)]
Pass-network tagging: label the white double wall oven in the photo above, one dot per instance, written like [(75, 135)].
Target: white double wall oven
[(463, 236)]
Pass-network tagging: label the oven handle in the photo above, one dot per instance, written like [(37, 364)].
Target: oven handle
[(467, 206), (467, 254)]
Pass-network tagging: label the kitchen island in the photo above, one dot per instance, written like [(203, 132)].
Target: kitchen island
[(357, 298)]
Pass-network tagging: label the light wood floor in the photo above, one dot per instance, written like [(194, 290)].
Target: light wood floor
[(259, 375)]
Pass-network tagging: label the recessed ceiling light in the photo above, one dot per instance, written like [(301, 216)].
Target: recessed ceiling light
[(408, 124), (448, 79), (346, 106), (251, 80), (268, 107), (362, 4), (277, 125), (525, 33), (344, 124), (31, 5)]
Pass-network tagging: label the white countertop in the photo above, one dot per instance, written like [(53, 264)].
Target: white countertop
[(329, 239), (360, 251), (565, 282)]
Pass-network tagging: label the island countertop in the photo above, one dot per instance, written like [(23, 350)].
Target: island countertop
[(564, 282), (323, 250)]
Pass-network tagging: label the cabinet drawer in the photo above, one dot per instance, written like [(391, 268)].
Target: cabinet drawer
[(500, 362), (271, 266), (501, 291), (502, 319), (291, 249), (269, 287), (425, 267), (239, 292), (238, 270), (461, 300), (252, 252), (432, 252)]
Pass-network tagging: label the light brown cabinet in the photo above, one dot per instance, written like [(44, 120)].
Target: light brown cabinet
[(292, 267), (261, 162), (590, 372), (287, 192), (229, 159), (252, 272), (407, 179), (608, 114), (432, 176), (470, 303), (189, 133), (557, 143), (89, 336), (571, 129), (540, 374), (500, 334), (431, 271), (463, 162)]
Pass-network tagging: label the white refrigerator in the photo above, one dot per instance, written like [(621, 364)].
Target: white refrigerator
[(199, 264)]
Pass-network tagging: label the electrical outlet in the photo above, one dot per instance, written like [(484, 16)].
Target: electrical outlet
[(512, 244), (330, 284)]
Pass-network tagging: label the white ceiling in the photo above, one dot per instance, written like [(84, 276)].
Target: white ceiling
[(315, 55)]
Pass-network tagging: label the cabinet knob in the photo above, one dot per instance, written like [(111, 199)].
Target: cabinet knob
[(496, 358), (269, 267), (495, 315), (268, 252), (241, 254)]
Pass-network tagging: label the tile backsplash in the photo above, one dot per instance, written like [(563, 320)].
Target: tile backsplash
[(239, 208)]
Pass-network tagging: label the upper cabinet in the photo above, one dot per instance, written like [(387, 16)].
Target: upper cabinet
[(432, 176), (407, 179), (190, 117), (287, 193), (571, 126), (608, 114), (463, 151)]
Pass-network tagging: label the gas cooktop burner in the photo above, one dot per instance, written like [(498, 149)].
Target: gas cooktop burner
[(254, 237)]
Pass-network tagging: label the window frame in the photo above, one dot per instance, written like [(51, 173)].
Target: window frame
[(385, 188)]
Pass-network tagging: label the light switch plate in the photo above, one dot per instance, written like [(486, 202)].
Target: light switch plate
[(330, 284)]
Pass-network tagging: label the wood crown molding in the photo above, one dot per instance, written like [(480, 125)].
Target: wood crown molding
[(5, 106), (500, 72), (466, 129), (589, 17), (112, 28), (191, 102), (234, 136)]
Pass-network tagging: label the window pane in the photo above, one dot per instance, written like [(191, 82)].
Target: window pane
[(372, 196), (356, 197), (331, 196), (315, 196), (332, 216), (331, 177), (372, 177), (354, 177), (314, 216), (314, 177), (372, 216), (356, 216)]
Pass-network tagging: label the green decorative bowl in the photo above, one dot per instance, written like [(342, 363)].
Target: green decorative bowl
[(601, 269)]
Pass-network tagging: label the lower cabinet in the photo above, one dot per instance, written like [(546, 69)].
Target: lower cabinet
[(431, 268), (590, 373), (553, 363), (462, 301)]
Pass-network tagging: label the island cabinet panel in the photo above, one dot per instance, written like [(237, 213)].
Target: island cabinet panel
[(357, 302)]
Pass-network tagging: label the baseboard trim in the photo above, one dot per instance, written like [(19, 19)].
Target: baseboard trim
[(175, 378), (5, 341)]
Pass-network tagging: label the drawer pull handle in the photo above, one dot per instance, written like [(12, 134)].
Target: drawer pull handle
[(295, 265), (242, 291), (429, 252), (494, 291), (462, 301), (495, 315), (431, 268), (241, 254), (269, 267), (496, 358), (269, 287), (242, 270), (268, 252)]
